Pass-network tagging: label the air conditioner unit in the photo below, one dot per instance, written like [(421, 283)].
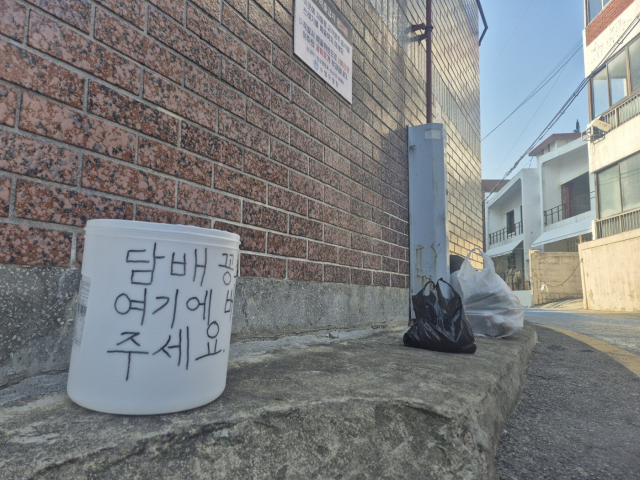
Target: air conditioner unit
[(596, 130)]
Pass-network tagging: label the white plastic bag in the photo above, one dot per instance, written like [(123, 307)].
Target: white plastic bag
[(491, 307)]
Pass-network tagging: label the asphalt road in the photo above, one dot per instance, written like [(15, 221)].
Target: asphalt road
[(579, 415), (619, 329)]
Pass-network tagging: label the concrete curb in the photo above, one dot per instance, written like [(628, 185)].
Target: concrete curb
[(360, 406)]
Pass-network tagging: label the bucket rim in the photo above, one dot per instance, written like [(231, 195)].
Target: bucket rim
[(152, 227)]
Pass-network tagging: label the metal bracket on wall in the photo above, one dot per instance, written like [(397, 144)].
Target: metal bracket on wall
[(484, 21), (419, 27), (592, 134)]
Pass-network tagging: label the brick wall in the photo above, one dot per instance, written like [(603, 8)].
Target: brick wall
[(610, 271), (197, 112), (554, 276), (605, 18), (456, 90)]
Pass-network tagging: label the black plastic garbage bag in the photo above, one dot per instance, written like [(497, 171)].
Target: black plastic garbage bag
[(441, 323)]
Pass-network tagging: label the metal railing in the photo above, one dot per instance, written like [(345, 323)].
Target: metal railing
[(516, 286), (515, 280), (505, 233), (570, 209), (624, 222), (624, 112)]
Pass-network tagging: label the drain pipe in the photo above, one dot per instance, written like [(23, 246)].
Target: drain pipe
[(428, 36), (429, 30), (484, 21)]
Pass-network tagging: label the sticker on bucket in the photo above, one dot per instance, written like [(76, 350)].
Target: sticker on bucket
[(81, 309)]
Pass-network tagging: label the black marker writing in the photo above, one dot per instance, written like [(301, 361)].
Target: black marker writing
[(194, 303), (209, 352), (175, 307), (129, 352), (178, 345), (143, 277), (124, 304), (183, 263), (166, 299), (131, 338), (228, 261), (228, 304), (197, 265)]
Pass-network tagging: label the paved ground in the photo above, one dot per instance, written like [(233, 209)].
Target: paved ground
[(579, 416), (619, 329), (359, 406)]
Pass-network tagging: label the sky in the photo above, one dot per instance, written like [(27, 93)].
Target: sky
[(525, 41)]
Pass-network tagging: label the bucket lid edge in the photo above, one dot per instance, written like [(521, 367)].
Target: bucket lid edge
[(133, 225)]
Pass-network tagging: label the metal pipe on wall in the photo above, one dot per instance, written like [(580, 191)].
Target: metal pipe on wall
[(429, 92), (484, 21), (428, 34)]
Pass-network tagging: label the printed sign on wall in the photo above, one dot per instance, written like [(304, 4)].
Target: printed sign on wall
[(323, 39)]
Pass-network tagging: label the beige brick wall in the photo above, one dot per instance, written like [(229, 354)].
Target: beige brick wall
[(554, 276), (611, 272), (456, 89)]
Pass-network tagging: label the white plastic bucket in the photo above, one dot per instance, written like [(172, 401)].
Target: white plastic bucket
[(153, 324)]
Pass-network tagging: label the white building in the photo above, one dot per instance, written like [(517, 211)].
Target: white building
[(513, 222), (611, 262), (614, 98), (567, 195)]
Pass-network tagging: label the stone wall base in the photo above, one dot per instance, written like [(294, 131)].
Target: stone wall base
[(37, 307)]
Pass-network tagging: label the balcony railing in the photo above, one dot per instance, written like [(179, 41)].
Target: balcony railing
[(624, 112), (620, 223), (519, 285), (570, 209), (515, 280), (505, 233)]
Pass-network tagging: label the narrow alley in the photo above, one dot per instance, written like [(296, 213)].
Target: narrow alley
[(579, 415)]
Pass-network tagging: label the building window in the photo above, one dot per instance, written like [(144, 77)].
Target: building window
[(511, 222), (617, 80), (630, 183), (572, 243), (619, 187), (576, 196), (609, 192), (595, 7), (600, 92), (634, 61)]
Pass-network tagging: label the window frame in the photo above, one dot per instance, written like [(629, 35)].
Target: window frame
[(598, 173), (511, 226), (591, 93), (613, 106), (597, 185), (628, 48), (635, 156), (626, 54), (587, 10)]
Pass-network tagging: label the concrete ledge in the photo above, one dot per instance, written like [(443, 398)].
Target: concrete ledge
[(359, 406), (37, 306), (270, 308)]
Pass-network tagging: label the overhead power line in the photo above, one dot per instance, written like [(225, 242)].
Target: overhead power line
[(515, 29), (555, 71), (573, 96), (532, 117)]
